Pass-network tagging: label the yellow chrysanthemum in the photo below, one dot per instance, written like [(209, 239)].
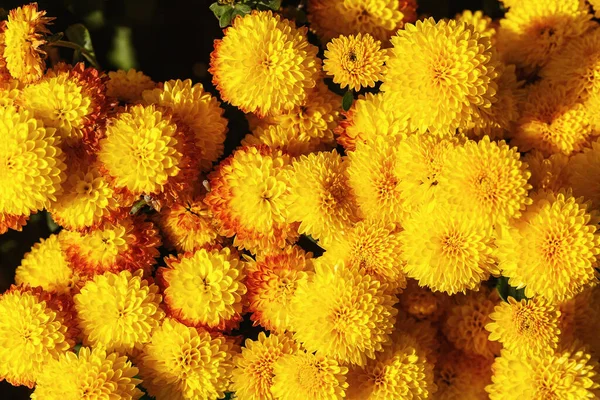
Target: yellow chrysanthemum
[(585, 320), (488, 179), (23, 39), (564, 375), (249, 198), (34, 329), (481, 22), (379, 18), (552, 121), (426, 332), (118, 312), (187, 225), (373, 248), (447, 68), (421, 302), (304, 376), (596, 6), (88, 375), (552, 251), (531, 32), (46, 265), (462, 376), (130, 244), (526, 328), (9, 91), (264, 64), (401, 371), (253, 373), (204, 288), (583, 170), (197, 109), (272, 282), (321, 198), (285, 139), (355, 61), (343, 314), (4, 74), (127, 86), (466, 321), (31, 165), (370, 117), (183, 363), (547, 173)]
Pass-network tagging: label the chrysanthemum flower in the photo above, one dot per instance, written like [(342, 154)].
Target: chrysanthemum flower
[(23, 39), (564, 375), (88, 375), (583, 170), (585, 320), (272, 282), (531, 32), (4, 74), (466, 321), (253, 373), (379, 18), (46, 265), (488, 179), (552, 251), (304, 375), (183, 363), (447, 68), (343, 314), (373, 248), (370, 117), (35, 327), (130, 244), (548, 173), (355, 61), (249, 198), (197, 109), (264, 64), (461, 376), (552, 121), (401, 371), (145, 152), (31, 167), (426, 332), (127, 86), (421, 302), (118, 312), (187, 224), (321, 197), (285, 139), (73, 101), (204, 288), (9, 91), (481, 22)]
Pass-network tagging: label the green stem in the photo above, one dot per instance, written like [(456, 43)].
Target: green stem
[(70, 45)]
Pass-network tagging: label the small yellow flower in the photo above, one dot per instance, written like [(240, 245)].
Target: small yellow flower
[(127, 86), (482, 23)]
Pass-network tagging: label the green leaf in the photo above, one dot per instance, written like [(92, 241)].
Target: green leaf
[(505, 290), (54, 38), (243, 8), (122, 53), (79, 35), (52, 226), (219, 9), (226, 18), (347, 100)]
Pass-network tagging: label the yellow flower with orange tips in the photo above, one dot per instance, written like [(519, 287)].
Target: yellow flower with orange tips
[(127, 86), (264, 64)]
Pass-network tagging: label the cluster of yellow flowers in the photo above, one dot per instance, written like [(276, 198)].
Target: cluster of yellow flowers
[(471, 156)]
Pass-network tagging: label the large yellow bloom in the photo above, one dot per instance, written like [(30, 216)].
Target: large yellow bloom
[(446, 68), (118, 312), (31, 166), (204, 288), (321, 197), (34, 329), (583, 169), (23, 39), (249, 198), (127, 86), (253, 373), (197, 109), (90, 374), (264, 64), (379, 18), (272, 282), (343, 314), (462, 376), (303, 375), (183, 363), (526, 328), (552, 250)]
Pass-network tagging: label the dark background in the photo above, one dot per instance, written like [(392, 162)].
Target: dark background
[(166, 39)]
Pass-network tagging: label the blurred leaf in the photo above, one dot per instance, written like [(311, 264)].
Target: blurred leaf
[(505, 290), (6, 247), (219, 9), (90, 11), (122, 53), (274, 4), (79, 35), (52, 226), (226, 18), (347, 100), (244, 8), (54, 38)]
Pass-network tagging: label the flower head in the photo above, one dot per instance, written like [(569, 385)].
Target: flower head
[(462, 376), (421, 302), (185, 363), (343, 314), (198, 110), (9, 91), (127, 86), (446, 67), (253, 373), (552, 250), (204, 288), (305, 375), (23, 39), (272, 282), (582, 169), (264, 64), (481, 22), (285, 139), (548, 173), (249, 198)]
